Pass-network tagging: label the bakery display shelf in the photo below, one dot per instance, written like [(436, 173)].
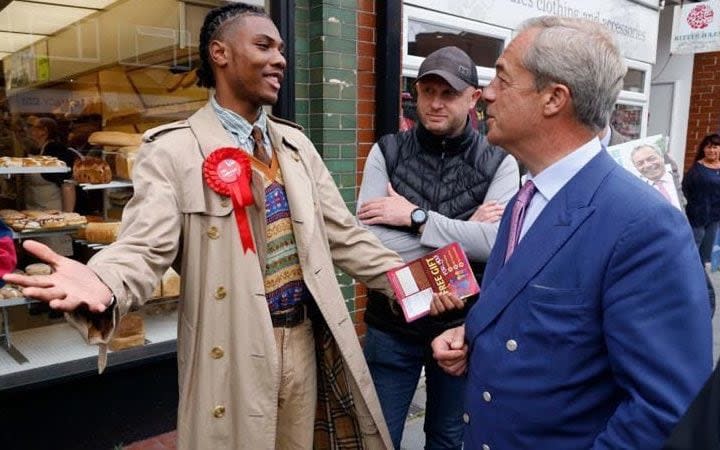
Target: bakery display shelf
[(114, 184), (43, 232), (33, 169), (57, 351), (8, 302)]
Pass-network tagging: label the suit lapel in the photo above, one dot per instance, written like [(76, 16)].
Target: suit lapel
[(560, 219)]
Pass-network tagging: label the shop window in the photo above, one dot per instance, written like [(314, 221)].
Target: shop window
[(424, 38), (627, 120), (634, 80)]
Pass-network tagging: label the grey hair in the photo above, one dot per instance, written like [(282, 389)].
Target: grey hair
[(582, 55), (651, 146)]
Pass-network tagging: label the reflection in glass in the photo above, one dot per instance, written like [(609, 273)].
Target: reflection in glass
[(424, 38)]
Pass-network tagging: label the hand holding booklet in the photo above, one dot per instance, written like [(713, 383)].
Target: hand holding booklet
[(444, 270)]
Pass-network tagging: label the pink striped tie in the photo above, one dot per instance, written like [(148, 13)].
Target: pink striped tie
[(660, 186), (518, 215)]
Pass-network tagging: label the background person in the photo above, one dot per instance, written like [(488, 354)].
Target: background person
[(49, 190), (437, 183), (268, 356), (605, 354), (651, 163), (701, 186)]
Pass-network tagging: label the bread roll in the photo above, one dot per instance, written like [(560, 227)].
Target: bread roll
[(102, 232), (38, 269)]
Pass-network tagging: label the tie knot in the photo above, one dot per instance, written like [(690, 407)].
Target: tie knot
[(526, 192)]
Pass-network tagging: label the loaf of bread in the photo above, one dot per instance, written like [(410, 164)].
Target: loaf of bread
[(102, 232), (115, 138), (124, 161), (130, 332), (92, 170), (170, 283)]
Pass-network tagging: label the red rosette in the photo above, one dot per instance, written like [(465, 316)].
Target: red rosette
[(227, 171)]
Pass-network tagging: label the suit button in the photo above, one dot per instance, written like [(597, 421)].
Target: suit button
[(466, 417), (213, 232), (511, 345), (485, 447), (219, 411), (486, 396), (225, 202), (217, 352), (220, 293)]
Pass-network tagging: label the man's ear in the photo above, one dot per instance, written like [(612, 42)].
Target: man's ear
[(218, 53), (477, 93), (556, 97)]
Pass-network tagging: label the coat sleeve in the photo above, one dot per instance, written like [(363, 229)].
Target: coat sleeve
[(354, 249), (147, 243), (656, 326)]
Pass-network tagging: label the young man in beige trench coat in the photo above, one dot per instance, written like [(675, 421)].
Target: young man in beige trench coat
[(237, 383)]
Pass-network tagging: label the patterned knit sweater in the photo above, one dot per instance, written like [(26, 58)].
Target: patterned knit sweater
[(284, 285)]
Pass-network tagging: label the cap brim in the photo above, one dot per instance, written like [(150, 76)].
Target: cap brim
[(454, 82)]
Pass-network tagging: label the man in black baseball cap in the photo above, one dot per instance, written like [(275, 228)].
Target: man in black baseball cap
[(401, 202), (453, 65)]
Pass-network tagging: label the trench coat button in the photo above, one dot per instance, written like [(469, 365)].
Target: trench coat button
[(485, 447), (213, 232), (466, 417), (219, 411), (225, 202), (220, 293), (511, 345), (217, 352), (295, 156), (487, 396)]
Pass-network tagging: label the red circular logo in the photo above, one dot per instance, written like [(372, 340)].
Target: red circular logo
[(228, 170), (700, 17)]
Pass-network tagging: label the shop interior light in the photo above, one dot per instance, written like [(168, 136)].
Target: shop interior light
[(25, 22)]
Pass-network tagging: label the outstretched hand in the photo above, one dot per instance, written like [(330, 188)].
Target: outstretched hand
[(391, 210), (71, 284)]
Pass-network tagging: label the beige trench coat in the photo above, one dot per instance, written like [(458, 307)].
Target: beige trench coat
[(230, 402)]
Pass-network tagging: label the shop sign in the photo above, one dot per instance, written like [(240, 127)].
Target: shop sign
[(696, 28), (635, 24)]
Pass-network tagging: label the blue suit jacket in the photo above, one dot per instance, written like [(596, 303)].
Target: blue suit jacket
[(596, 333)]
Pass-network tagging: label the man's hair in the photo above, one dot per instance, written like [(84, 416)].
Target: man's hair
[(653, 147), (582, 55), (710, 139), (50, 126), (214, 26)]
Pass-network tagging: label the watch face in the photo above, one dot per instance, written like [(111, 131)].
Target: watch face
[(418, 216)]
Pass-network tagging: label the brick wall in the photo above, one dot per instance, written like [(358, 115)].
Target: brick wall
[(704, 102), (366, 34), (335, 98)]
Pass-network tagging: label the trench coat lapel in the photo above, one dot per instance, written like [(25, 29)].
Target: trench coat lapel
[(211, 136), (562, 216)]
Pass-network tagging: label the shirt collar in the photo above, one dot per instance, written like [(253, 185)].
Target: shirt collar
[(237, 125), (553, 178)]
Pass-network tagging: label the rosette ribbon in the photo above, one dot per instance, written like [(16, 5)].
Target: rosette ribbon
[(227, 171)]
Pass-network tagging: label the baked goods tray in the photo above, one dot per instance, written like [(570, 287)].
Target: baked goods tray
[(114, 184), (42, 232), (33, 169), (4, 303)]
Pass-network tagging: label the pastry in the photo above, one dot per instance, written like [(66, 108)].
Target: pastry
[(38, 269)]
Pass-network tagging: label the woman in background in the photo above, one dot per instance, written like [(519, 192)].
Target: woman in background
[(701, 187), (49, 190)]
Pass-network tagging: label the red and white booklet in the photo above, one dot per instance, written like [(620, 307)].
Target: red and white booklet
[(445, 269)]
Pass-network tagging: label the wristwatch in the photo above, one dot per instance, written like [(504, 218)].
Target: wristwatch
[(418, 217)]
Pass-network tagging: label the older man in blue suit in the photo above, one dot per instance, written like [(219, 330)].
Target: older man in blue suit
[(592, 329)]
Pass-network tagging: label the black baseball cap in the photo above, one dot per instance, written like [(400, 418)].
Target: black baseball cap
[(453, 65)]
